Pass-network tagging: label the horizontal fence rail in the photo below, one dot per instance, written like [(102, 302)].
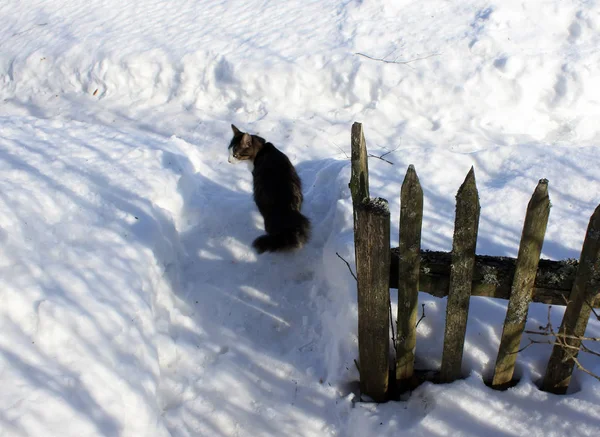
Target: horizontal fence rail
[(493, 276)]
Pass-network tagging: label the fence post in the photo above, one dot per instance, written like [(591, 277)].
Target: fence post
[(372, 256), (411, 219), (532, 238), (466, 225), (586, 289), (372, 244)]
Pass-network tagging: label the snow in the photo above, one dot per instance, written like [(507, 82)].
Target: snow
[(131, 302)]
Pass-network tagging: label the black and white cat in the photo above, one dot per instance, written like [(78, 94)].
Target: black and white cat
[(277, 192)]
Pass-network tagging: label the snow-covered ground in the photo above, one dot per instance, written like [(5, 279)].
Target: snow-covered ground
[(131, 303)]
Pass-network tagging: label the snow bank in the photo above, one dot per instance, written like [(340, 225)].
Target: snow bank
[(88, 264), (487, 75)]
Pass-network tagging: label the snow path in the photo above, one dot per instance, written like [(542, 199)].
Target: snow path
[(245, 359)]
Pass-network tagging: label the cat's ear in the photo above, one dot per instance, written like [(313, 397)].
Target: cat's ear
[(246, 141), (235, 130)]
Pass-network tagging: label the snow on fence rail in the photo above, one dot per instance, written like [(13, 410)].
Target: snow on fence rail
[(459, 275)]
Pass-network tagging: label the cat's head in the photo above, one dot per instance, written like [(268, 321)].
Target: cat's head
[(243, 146)]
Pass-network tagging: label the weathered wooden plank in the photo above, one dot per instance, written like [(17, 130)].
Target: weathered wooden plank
[(530, 248), (492, 276), (585, 290), (372, 240), (411, 219), (359, 178), (461, 275)]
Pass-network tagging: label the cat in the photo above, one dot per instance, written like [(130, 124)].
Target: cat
[(277, 192)]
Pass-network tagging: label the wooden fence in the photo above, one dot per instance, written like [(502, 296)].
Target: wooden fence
[(459, 275)]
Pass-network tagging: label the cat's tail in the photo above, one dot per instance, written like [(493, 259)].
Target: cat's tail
[(293, 237)]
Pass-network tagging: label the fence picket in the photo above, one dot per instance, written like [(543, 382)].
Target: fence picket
[(586, 289), (463, 259), (532, 238), (372, 244), (411, 219)]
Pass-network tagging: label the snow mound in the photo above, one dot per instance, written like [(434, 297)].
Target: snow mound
[(88, 266)]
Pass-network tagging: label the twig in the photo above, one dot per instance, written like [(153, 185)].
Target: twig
[(587, 350), (349, 268), (397, 62), (531, 343), (562, 340), (341, 150), (380, 157), (572, 337), (388, 152), (29, 29), (422, 315), (564, 345), (35, 26), (384, 154), (583, 369)]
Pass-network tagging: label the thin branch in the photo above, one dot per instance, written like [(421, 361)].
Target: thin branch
[(571, 337), (388, 152), (384, 154), (349, 268), (387, 61), (587, 350), (380, 157), (29, 30), (531, 343), (564, 345), (422, 315), (341, 150), (562, 340), (583, 369), (590, 304)]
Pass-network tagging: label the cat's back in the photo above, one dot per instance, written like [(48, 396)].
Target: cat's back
[(270, 162), (275, 179)]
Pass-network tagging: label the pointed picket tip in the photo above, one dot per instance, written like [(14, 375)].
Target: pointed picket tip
[(540, 195), (411, 172), (411, 177), (468, 189), (542, 188), (470, 179)]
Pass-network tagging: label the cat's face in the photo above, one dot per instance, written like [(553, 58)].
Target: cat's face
[(240, 147)]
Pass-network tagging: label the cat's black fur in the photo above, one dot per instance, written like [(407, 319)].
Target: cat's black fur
[(277, 193)]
